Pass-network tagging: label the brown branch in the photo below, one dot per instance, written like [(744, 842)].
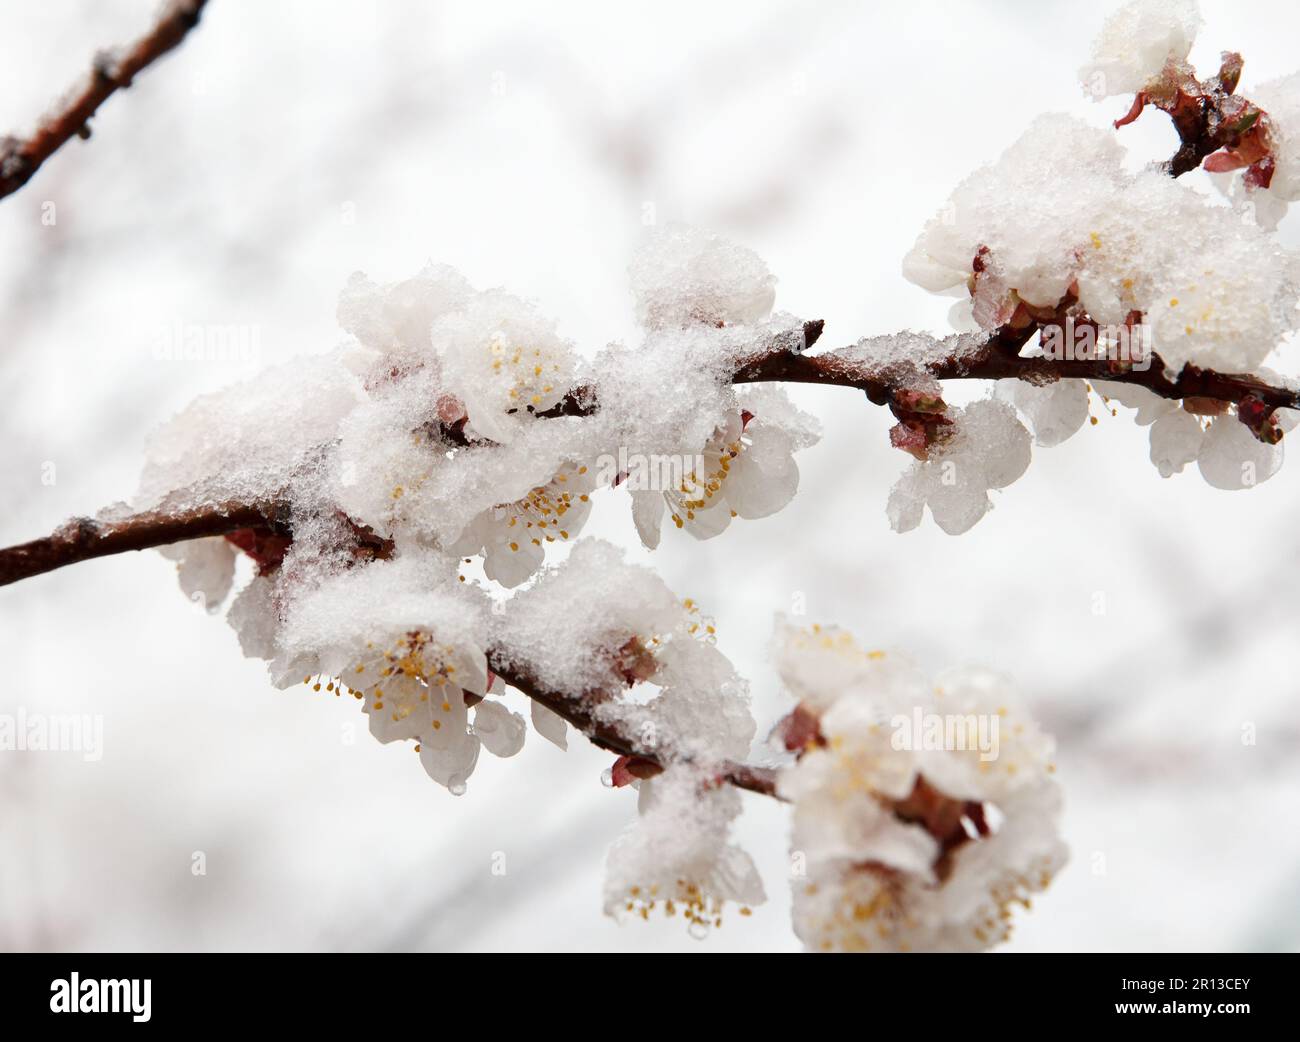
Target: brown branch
[(581, 713), (1211, 119), (20, 159), (995, 362), (999, 359), (84, 538)]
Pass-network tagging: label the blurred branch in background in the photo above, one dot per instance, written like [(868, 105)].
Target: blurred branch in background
[(111, 71)]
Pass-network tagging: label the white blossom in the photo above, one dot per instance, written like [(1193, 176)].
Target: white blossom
[(682, 276), (595, 626), (912, 845), (1280, 100), (676, 858), (746, 469), (987, 448), (1058, 215), (504, 361), (1054, 410), (404, 639), (205, 569), (1136, 44), (1227, 453), (512, 537)]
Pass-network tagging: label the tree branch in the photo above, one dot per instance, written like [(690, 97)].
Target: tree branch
[(995, 361), (581, 713), (20, 159), (84, 538)]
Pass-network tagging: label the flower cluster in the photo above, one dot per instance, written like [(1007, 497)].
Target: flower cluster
[(1058, 226), (922, 813), (979, 448), (438, 438), (676, 858), (1143, 50), (1235, 447), (1060, 236), (746, 469), (1137, 43), (647, 667)]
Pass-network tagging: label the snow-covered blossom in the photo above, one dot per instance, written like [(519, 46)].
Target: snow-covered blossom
[(676, 858), (701, 711), (205, 569), (671, 427), (403, 638), (683, 276), (596, 626), (1280, 98), (1225, 450), (496, 357), (1280, 101), (644, 664), (504, 361), (512, 537), (589, 623), (253, 440), (419, 442), (1136, 44), (395, 320), (1054, 410), (984, 446), (1058, 222), (746, 470), (1025, 210), (922, 813), (490, 362)]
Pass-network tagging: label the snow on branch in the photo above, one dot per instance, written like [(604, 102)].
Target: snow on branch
[(397, 500), (113, 70), (885, 371)]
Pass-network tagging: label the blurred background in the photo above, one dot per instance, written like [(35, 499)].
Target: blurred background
[(240, 181)]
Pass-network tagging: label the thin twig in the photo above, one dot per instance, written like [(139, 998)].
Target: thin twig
[(20, 158)]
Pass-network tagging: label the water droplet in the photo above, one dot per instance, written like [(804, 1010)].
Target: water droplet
[(699, 930), (607, 777), (457, 787)]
